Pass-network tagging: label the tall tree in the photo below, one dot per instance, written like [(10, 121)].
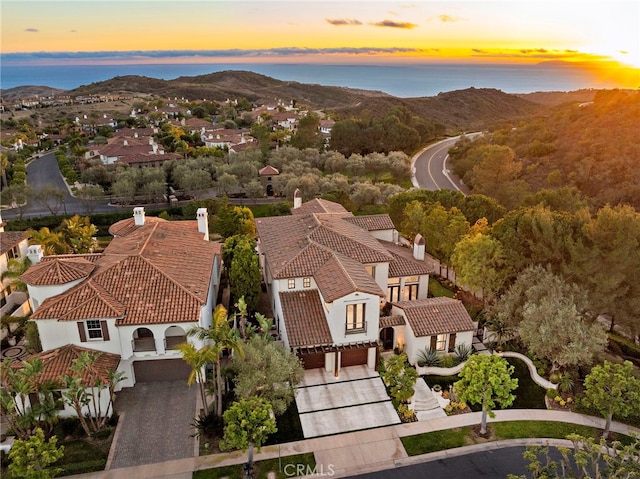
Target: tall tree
[(486, 380), (78, 233), (197, 359), (51, 197), (244, 275), (268, 371), (248, 423), (217, 338), (613, 390)]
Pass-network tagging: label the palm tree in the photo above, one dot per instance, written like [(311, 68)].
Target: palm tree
[(16, 267), (197, 359), (218, 337), (50, 241)]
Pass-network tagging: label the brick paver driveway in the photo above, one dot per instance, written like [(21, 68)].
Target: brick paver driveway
[(155, 423)]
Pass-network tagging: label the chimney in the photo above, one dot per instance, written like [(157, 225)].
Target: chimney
[(203, 222), (297, 199), (34, 253), (138, 216), (418, 247)]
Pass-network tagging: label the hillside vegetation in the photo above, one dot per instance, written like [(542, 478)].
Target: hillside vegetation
[(457, 110), (592, 147)]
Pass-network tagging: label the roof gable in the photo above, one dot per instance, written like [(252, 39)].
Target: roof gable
[(428, 317), (318, 205), (304, 319), (341, 276)]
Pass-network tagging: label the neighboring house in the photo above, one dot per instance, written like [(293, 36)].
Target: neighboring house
[(58, 362), (156, 280), (13, 245), (330, 276)]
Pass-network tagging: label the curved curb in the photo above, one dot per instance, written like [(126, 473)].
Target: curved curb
[(539, 380)]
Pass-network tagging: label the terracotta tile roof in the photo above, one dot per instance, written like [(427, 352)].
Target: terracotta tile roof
[(403, 263), (319, 205), (431, 316), (372, 222), (9, 239), (304, 319), (124, 227), (341, 276), (57, 363), (388, 321), (58, 270), (348, 239), (286, 241), (159, 272), (86, 300), (138, 158), (268, 171)]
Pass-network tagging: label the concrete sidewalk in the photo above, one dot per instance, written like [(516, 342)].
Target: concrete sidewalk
[(363, 451)]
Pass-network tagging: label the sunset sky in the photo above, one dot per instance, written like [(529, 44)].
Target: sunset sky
[(319, 31)]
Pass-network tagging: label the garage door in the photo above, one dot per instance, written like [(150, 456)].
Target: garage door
[(354, 357), (312, 360), (161, 370)]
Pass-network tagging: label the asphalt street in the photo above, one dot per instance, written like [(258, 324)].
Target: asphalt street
[(494, 464), (431, 168)]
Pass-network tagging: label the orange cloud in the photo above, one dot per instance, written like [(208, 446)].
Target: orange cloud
[(394, 24)]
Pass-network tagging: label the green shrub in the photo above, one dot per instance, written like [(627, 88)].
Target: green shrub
[(448, 361), (429, 357), (554, 377), (92, 465), (462, 352), (551, 393)]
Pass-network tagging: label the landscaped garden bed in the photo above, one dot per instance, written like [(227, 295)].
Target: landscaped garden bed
[(284, 467)]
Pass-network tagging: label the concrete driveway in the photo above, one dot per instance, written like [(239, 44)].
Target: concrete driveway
[(155, 424), (355, 400)]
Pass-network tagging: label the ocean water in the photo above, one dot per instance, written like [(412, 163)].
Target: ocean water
[(401, 80)]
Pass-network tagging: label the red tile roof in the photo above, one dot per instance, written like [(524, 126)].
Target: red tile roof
[(318, 205), (304, 319), (372, 222), (341, 276), (156, 273), (431, 316), (57, 363), (268, 171), (58, 270), (9, 239)]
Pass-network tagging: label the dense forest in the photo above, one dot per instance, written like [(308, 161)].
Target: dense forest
[(593, 147)]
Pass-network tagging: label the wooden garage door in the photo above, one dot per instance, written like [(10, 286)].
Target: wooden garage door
[(161, 370), (354, 357), (312, 360)]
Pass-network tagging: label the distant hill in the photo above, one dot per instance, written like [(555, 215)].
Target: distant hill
[(29, 91), (464, 109)]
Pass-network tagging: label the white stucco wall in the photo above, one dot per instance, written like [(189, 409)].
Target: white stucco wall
[(55, 334), (69, 411), (385, 235), (337, 313)]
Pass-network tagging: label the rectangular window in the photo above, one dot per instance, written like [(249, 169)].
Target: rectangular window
[(393, 293), (94, 330), (441, 342), (410, 292), (355, 318), (57, 398), (13, 253), (292, 283), (306, 282)]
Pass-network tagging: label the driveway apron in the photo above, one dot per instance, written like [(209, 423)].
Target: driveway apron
[(155, 424)]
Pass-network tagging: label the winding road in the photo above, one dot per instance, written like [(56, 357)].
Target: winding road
[(430, 170)]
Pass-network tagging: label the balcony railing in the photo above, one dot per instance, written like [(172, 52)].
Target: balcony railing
[(170, 342), (143, 344), (358, 328)]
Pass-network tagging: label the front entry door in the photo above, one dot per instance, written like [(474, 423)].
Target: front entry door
[(386, 338)]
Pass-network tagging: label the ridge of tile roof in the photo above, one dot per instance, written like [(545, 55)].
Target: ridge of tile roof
[(431, 316), (86, 300), (127, 226), (318, 205), (58, 270), (268, 170), (304, 319), (340, 276), (57, 363), (372, 222)]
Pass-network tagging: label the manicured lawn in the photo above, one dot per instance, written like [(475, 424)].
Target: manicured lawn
[(289, 427), (300, 462), (436, 289), (81, 456), (441, 440), (436, 441), (528, 394)]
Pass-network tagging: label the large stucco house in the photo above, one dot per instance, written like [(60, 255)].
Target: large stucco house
[(135, 301), (341, 286)]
